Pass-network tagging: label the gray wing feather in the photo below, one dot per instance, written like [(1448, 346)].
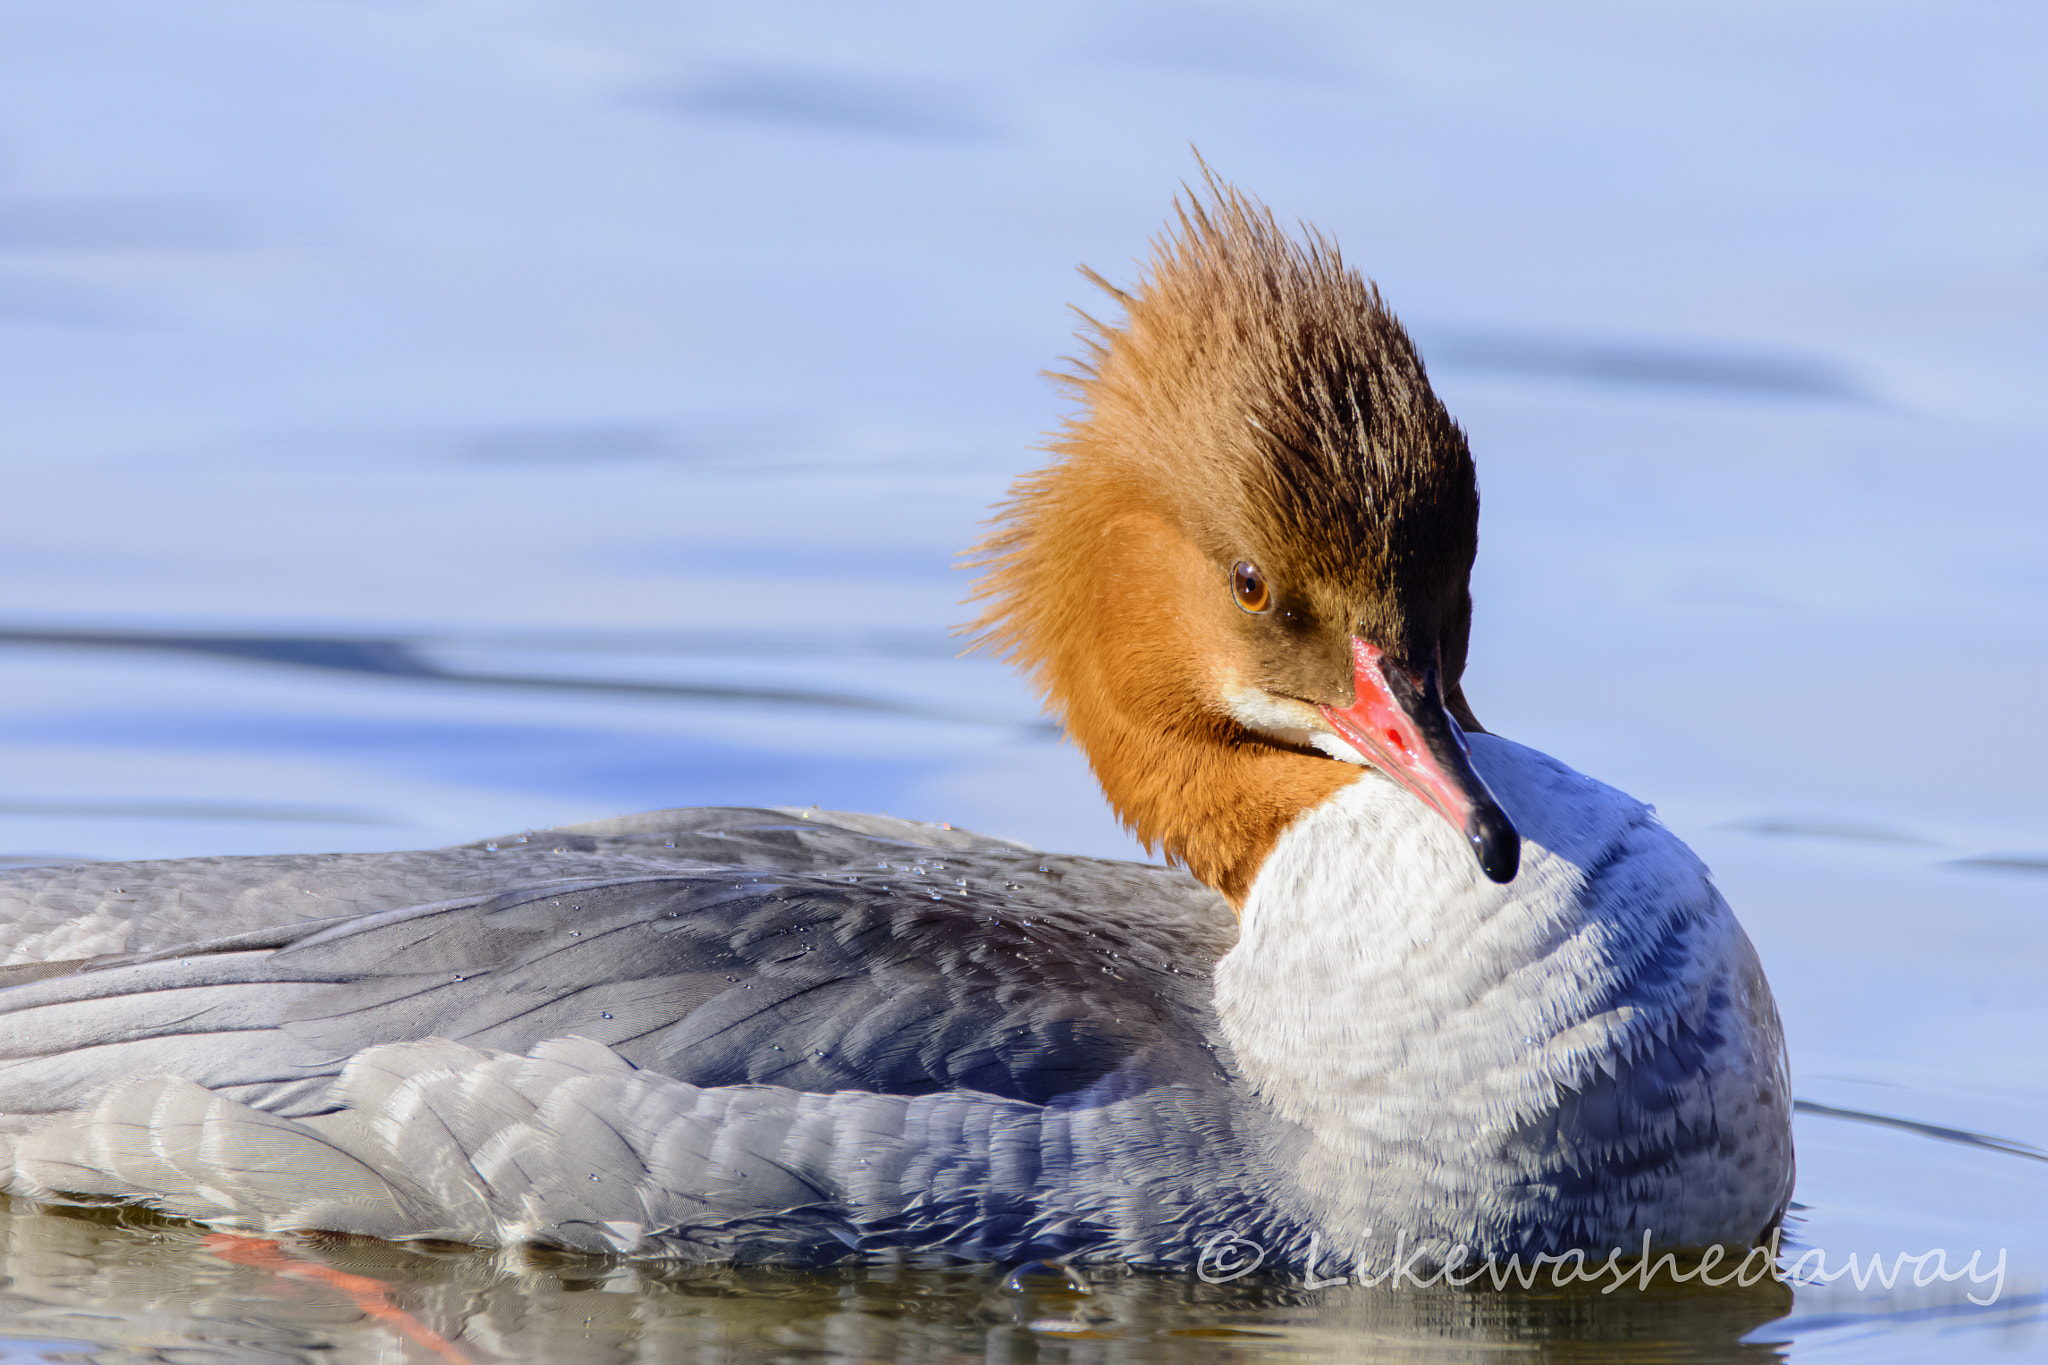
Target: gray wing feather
[(707, 977), (851, 1034), (60, 913), (572, 1147)]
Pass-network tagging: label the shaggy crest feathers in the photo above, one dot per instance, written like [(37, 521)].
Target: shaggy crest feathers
[(1259, 403)]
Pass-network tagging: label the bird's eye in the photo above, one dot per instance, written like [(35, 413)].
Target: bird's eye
[(1250, 586)]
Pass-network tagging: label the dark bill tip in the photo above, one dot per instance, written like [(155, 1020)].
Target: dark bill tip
[(1495, 842)]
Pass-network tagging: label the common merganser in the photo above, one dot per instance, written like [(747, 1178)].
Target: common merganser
[(1474, 1005)]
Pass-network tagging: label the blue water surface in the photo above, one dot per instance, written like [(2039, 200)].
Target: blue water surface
[(431, 420)]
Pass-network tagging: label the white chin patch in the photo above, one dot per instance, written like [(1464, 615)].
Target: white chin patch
[(1286, 721), (1337, 747)]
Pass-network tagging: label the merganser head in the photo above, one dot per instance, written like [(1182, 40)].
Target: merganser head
[(1246, 571)]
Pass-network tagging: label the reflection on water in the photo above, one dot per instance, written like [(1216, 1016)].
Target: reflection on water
[(2033, 864), (1612, 363), (1933, 1130), (1853, 831), (153, 1284), (839, 103), (416, 660)]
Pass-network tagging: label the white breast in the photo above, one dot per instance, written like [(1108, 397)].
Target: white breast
[(1454, 1045)]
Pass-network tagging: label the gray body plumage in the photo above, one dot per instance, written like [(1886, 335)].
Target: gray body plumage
[(759, 1034)]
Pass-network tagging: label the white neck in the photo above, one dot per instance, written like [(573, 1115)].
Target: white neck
[(1426, 1025)]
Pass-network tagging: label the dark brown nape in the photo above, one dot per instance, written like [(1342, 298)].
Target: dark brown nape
[(1258, 403)]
